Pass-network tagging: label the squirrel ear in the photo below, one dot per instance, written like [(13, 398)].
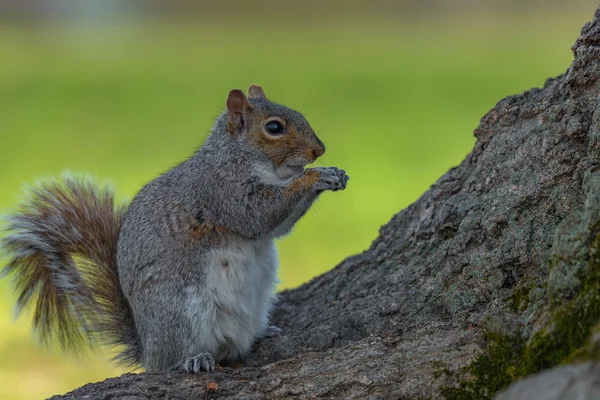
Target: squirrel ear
[(256, 92), (238, 106), (237, 102)]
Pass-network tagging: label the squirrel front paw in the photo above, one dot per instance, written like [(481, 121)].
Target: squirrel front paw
[(331, 178), (201, 362)]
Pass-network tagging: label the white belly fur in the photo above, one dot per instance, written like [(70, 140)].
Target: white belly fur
[(237, 298)]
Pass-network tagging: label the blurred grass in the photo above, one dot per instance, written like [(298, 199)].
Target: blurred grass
[(394, 101)]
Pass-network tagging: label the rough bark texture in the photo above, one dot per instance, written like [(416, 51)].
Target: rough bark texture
[(572, 382), (494, 249)]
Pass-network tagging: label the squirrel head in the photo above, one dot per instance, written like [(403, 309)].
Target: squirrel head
[(281, 134)]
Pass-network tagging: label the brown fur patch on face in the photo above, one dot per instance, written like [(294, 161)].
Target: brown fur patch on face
[(309, 153), (304, 183), (276, 148), (298, 141)]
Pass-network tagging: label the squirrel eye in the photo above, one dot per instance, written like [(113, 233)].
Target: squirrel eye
[(274, 128)]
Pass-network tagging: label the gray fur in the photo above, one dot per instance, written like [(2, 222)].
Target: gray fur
[(186, 276), (162, 276)]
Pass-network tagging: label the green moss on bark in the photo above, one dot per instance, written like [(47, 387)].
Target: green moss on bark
[(508, 358), (520, 298), (493, 370)]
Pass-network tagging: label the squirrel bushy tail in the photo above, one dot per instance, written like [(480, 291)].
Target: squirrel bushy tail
[(60, 246)]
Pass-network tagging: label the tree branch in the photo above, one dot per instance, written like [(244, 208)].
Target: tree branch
[(471, 256)]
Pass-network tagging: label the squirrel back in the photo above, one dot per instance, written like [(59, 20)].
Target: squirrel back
[(61, 251)]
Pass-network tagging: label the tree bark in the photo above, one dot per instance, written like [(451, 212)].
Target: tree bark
[(571, 382), (406, 318)]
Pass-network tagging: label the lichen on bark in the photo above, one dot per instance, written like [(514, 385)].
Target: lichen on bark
[(566, 337)]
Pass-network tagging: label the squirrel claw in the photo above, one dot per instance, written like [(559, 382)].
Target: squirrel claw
[(272, 331), (201, 362)]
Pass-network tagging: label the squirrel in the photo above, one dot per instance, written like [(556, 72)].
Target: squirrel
[(184, 276)]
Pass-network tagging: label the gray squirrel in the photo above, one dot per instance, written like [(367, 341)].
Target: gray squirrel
[(184, 276)]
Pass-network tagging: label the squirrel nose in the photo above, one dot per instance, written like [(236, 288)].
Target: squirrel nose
[(319, 150)]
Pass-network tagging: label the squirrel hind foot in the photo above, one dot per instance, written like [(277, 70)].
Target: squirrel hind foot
[(201, 362), (271, 332)]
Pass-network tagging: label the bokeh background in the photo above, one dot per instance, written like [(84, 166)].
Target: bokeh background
[(124, 90)]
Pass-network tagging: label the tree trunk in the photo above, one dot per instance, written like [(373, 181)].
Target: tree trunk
[(490, 276)]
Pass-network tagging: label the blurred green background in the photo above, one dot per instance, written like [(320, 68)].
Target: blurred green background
[(394, 89)]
